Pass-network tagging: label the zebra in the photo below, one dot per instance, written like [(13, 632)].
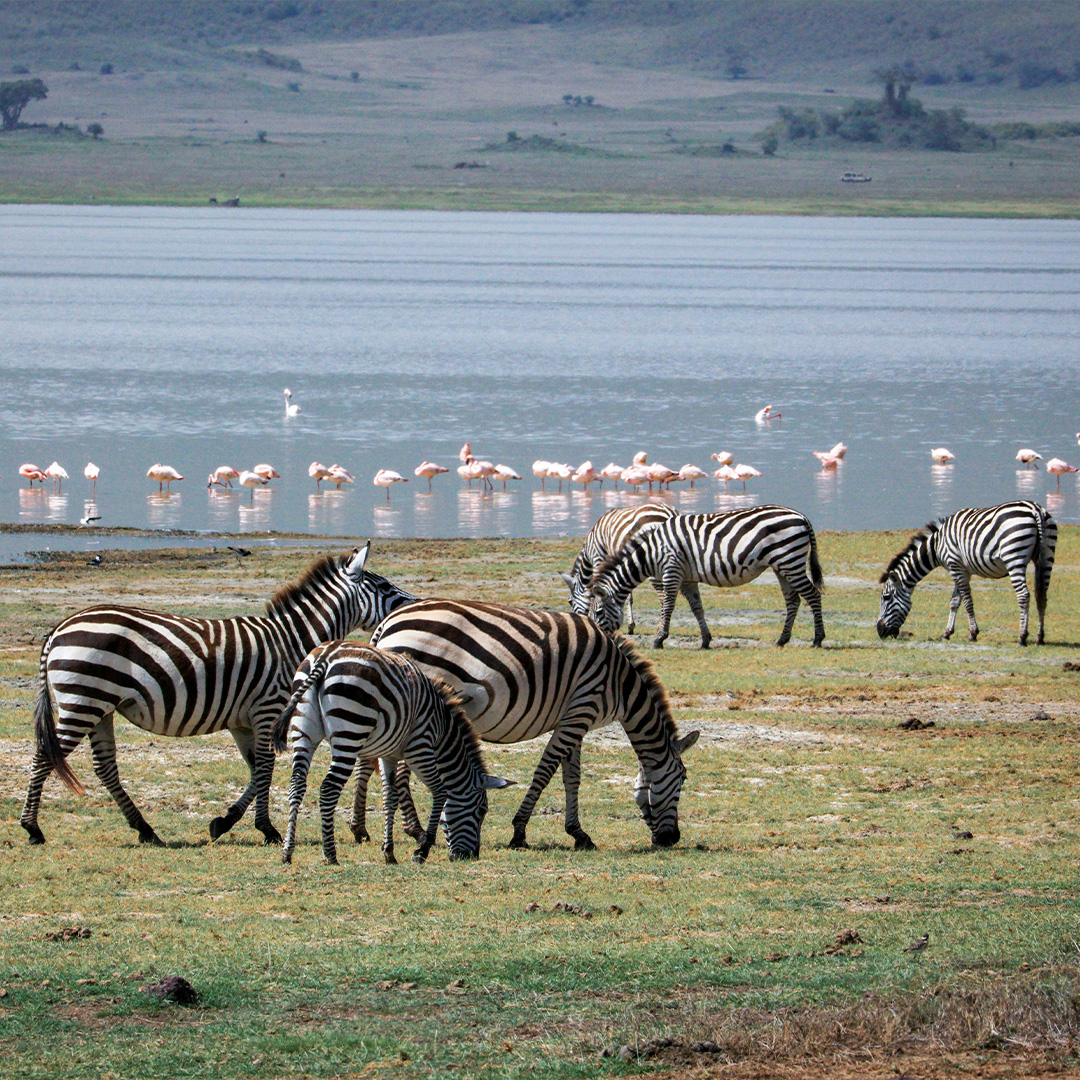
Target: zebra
[(174, 675), (522, 673), (379, 704), (609, 536), (991, 542), (725, 549)]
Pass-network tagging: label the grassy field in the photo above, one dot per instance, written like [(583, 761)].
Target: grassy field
[(819, 840)]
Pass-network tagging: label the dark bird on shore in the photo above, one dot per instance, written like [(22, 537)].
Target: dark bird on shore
[(918, 944), (95, 561), (85, 521), (240, 553)]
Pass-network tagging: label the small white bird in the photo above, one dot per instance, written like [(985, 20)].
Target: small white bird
[(1057, 467), (290, 410), (163, 474), (1025, 456), (387, 478), (85, 521), (58, 474), (251, 480), (92, 472), (942, 456)]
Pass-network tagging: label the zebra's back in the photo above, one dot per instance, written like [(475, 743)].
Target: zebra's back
[(988, 541)]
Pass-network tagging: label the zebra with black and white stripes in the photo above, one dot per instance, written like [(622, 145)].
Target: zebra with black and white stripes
[(991, 542), (522, 673), (377, 704), (725, 550), (608, 537), (177, 676)]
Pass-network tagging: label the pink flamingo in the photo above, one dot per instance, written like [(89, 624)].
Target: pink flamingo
[(766, 414), (267, 472), (163, 474), (58, 474), (252, 480), (585, 475), (465, 454), (290, 410), (540, 468), (223, 476), (744, 473), (1027, 456), (387, 478), (318, 472), (692, 473), (1057, 467), (611, 471), (635, 476), (469, 471), (92, 472), (429, 469), (724, 458), (640, 458), (504, 473), (32, 473), (340, 475), (941, 456), (661, 475), (727, 474)]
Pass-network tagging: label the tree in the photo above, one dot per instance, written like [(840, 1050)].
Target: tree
[(15, 96), (897, 82), (95, 130), (735, 61)]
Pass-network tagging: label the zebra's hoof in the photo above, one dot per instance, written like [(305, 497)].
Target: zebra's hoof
[(519, 843), (419, 856), (36, 835), (360, 834), (271, 836), (1023, 640), (148, 836), (707, 644), (816, 643), (286, 858), (219, 827), (782, 640), (388, 857), (1039, 640), (330, 860), (584, 843), (973, 637)]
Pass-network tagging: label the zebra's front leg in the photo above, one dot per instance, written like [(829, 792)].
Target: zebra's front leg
[(69, 738), (302, 752), (264, 777), (358, 822), (341, 767), (693, 598), (387, 769), (672, 584), (954, 606), (424, 765), (1023, 598), (245, 743), (103, 749), (963, 588), (791, 605), (410, 820), (560, 744), (571, 773)]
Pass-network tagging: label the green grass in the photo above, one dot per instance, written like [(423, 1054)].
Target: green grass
[(807, 811)]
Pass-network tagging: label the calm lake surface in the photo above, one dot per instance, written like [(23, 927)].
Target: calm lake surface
[(130, 336)]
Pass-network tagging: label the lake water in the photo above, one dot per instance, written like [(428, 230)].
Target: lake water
[(130, 336)]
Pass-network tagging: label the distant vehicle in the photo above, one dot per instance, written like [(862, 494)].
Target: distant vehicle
[(854, 178)]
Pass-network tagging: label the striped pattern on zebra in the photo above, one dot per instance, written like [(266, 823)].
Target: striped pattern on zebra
[(180, 676), (991, 542), (378, 704), (726, 550), (608, 537), (522, 673)]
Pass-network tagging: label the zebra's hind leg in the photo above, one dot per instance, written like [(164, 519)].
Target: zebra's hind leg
[(672, 584), (1023, 598), (69, 738), (561, 743), (791, 603), (571, 773), (245, 743), (693, 598), (103, 749), (358, 822), (297, 787), (387, 768), (341, 767)]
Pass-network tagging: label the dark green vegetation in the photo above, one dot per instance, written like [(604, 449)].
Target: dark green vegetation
[(807, 812), (629, 105)]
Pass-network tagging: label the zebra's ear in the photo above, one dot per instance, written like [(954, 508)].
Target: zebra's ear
[(568, 581), (687, 741), (486, 780), (355, 565)]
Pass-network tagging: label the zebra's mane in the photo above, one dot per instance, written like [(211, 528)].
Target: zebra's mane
[(927, 530), (470, 740), (318, 573), (652, 682)]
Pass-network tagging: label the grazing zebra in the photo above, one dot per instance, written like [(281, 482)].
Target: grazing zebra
[(995, 542), (379, 704), (175, 675), (522, 673), (608, 537), (718, 549)]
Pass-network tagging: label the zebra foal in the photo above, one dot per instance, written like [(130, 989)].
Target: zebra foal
[(725, 550), (995, 542), (178, 676), (376, 704)]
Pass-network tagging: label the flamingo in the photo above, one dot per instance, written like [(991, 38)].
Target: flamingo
[(340, 475), (267, 472), (828, 461), (163, 474), (560, 472), (540, 468), (290, 410), (223, 476), (839, 450), (640, 458), (764, 415), (585, 475), (661, 474), (942, 456), (318, 472), (92, 472), (635, 475), (611, 471), (485, 470), (726, 473), (724, 458), (252, 480), (744, 473), (429, 469), (504, 472), (1056, 467), (58, 474), (1027, 456), (465, 454), (692, 473), (469, 471), (32, 473), (386, 478)]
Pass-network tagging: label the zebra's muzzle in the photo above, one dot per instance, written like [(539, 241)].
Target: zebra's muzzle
[(884, 630)]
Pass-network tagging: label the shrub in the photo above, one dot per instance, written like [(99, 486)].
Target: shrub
[(95, 130), (106, 69)]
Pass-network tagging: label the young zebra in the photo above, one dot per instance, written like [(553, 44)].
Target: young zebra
[(718, 549), (522, 673), (992, 543), (608, 537), (377, 704), (176, 676)]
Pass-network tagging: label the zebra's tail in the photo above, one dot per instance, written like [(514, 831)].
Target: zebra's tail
[(1043, 556), (318, 670), (816, 575), (48, 745)]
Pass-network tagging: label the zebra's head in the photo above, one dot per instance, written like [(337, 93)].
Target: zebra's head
[(657, 793), (464, 813), (605, 609), (580, 600), (895, 605)]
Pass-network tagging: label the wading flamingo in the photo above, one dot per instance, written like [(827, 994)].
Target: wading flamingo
[(429, 469), (942, 456), (635, 476), (585, 475), (766, 414), (318, 472), (465, 454), (1026, 456), (32, 473), (726, 473), (640, 458), (613, 472), (163, 474), (560, 472), (744, 473), (340, 475), (223, 476), (387, 478), (290, 410), (267, 472), (57, 474), (692, 473), (504, 473), (1056, 467), (252, 480), (92, 472), (540, 468), (724, 458)]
